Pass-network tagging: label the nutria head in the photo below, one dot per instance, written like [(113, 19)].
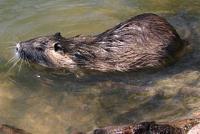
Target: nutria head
[(46, 50)]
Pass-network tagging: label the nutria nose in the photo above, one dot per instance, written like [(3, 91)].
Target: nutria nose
[(17, 47)]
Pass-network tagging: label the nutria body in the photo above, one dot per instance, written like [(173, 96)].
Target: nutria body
[(144, 41)]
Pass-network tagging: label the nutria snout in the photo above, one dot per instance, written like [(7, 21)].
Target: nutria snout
[(144, 41)]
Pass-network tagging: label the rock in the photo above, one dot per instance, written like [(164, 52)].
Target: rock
[(140, 128), (174, 127), (7, 129)]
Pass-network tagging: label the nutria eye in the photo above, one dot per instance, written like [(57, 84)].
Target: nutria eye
[(57, 47)]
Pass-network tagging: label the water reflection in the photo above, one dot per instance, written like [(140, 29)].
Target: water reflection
[(47, 101)]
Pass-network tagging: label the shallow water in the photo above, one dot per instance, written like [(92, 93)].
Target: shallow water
[(44, 101)]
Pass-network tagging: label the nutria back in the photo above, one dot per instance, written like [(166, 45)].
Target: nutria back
[(142, 42)]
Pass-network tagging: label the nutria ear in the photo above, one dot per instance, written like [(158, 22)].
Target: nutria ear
[(58, 34)]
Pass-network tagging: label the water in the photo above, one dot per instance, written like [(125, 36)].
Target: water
[(44, 101)]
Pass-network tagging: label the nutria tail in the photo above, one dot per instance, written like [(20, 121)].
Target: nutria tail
[(185, 49), (186, 42)]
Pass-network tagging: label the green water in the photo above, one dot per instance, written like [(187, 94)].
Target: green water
[(43, 101)]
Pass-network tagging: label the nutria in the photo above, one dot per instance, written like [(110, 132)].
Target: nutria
[(142, 42)]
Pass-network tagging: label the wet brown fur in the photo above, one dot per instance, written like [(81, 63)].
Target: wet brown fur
[(144, 41)]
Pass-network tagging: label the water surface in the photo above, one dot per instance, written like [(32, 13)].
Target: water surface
[(44, 101)]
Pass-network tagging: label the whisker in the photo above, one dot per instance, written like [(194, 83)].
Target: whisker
[(7, 42), (25, 59), (11, 60), (7, 45), (20, 65), (17, 37), (27, 62), (14, 65), (11, 47)]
